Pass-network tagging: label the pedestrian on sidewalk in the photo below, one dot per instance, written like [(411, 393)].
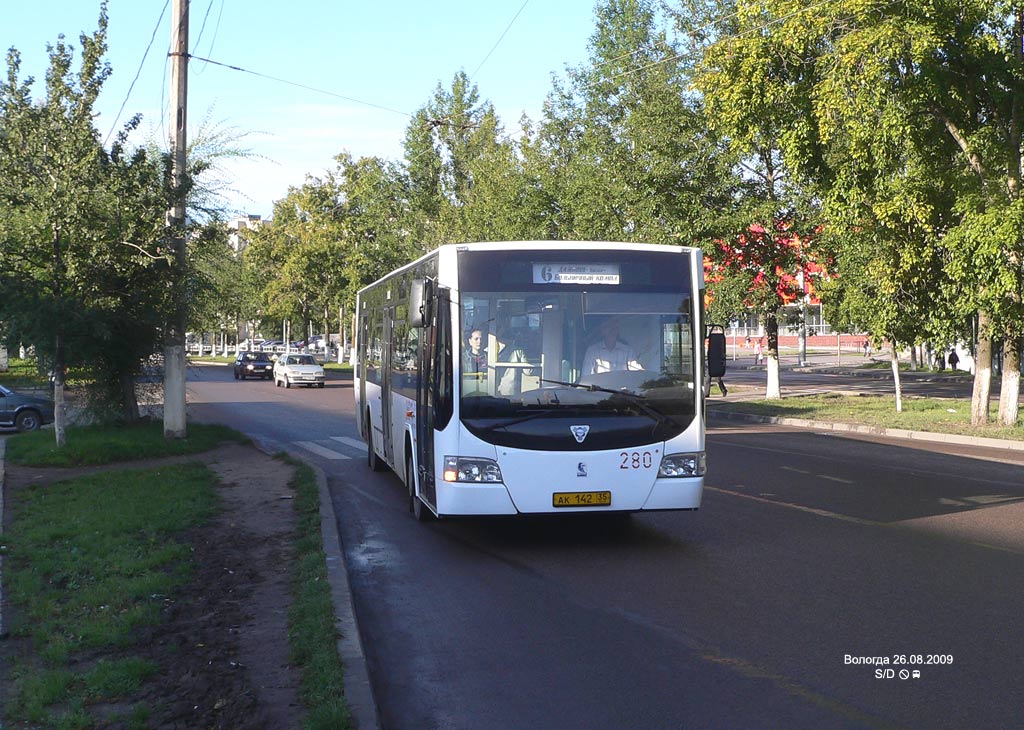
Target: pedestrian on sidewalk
[(867, 347), (757, 351), (954, 359)]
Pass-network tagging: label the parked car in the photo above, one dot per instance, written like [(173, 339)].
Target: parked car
[(297, 369), (253, 364), (24, 412)]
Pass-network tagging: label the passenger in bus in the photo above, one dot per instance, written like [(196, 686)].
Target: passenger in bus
[(609, 353), (510, 379), (474, 355)]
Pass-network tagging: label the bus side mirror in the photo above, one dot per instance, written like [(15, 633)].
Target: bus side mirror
[(716, 354), (420, 297)]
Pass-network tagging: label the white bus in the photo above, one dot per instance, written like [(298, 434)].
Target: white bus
[(538, 377)]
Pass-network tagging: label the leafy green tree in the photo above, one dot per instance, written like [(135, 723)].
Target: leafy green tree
[(462, 179), (905, 114), (627, 145), (53, 188)]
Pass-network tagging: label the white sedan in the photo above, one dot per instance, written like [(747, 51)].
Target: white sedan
[(292, 370)]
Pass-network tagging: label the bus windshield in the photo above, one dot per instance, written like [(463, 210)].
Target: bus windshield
[(606, 344)]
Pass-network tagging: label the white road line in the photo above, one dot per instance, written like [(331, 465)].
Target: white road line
[(800, 507), (835, 479), (354, 443), (320, 450)]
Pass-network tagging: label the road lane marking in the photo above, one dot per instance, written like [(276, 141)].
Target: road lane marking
[(320, 450), (858, 520), (887, 467), (354, 443), (820, 476), (800, 507)]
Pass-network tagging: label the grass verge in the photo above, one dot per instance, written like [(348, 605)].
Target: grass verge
[(312, 632), (938, 415), (90, 445), (89, 561), (23, 374)]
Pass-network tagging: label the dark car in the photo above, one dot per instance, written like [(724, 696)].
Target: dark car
[(253, 364), (24, 412)]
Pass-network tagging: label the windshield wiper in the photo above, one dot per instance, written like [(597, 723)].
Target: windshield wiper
[(635, 398), (522, 419)]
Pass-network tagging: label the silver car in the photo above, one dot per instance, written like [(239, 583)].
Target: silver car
[(296, 369)]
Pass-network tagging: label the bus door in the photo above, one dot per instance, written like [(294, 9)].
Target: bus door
[(385, 385), (365, 427), (432, 391)]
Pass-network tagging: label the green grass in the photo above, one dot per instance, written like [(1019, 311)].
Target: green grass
[(89, 561), (212, 358), (88, 445), (312, 631), (939, 415), (23, 374)]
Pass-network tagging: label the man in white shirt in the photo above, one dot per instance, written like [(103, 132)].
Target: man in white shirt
[(608, 354)]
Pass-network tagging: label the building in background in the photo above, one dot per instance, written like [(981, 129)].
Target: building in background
[(236, 230)]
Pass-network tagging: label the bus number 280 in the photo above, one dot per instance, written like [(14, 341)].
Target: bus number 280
[(636, 460)]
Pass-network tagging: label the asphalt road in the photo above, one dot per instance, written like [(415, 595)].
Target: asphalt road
[(808, 549)]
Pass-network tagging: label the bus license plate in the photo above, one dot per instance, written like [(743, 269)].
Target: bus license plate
[(581, 499)]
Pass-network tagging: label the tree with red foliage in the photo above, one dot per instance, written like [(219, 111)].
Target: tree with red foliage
[(763, 263)]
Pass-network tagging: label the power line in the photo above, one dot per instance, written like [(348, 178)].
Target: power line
[(302, 86), (137, 73), (216, 32), (203, 26), (500, 38)]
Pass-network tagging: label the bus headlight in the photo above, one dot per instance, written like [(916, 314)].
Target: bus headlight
[(683, 465), (471, 469)]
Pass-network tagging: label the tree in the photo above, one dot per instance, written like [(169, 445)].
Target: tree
[(761, 265), (52, 180), (906, 115), (627, 148)]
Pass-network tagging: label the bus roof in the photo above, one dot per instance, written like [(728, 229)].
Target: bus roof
[(535, 246)]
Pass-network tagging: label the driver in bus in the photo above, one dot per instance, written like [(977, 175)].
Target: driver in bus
[(609, 353)]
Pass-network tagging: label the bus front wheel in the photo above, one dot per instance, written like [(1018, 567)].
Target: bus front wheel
[(419, 510), (372, 460)]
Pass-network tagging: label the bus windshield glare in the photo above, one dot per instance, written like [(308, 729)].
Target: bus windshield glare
[(547, 340)]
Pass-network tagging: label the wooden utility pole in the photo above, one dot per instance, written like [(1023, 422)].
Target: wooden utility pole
[(174, 344)]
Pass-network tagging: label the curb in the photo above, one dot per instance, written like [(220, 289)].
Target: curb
[(946, 438), (358, 690), (359, 697)]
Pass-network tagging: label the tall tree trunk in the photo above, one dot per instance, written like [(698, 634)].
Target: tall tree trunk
[(1009, 391), (913, 357), (771, 327), (59, 410), (129, 401), (982, 373), (894, 361)]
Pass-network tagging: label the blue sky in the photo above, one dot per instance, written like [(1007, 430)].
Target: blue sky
[(387, 53)]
